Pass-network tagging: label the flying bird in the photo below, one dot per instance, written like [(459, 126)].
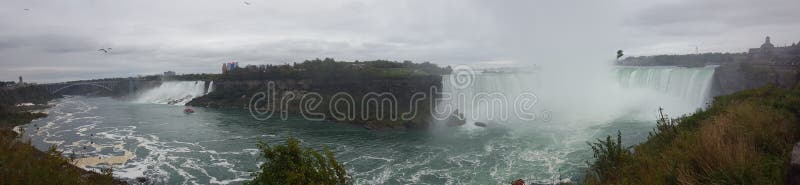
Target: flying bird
[(247, 3), (619, 54), (105, 50), (27, 9)]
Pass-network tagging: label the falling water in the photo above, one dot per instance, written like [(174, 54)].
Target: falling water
[(680, 89), (173, 92), (690, 84)]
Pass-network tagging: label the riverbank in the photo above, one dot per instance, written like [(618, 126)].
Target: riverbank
[(742, 138), (21, 163)]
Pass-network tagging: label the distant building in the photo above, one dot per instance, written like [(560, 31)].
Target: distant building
[(20, 80), (7, 84), (768, 49), (168, 75), (230, 66)]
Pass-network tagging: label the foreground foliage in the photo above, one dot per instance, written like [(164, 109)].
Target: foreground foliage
[(743, 138), (292, 165)]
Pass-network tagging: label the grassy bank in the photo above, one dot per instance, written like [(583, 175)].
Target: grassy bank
[(742, 138)]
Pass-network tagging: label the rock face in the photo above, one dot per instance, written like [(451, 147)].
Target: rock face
[(287, 94)]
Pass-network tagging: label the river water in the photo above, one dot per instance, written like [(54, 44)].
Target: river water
[(213, 146)]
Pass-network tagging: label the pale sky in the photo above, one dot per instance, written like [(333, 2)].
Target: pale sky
[(59, 40)]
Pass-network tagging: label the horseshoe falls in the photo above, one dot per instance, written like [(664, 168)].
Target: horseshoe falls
[(623, 92), (692, 85)]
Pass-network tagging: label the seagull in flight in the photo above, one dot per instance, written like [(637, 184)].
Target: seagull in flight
[(105, 50), (247, 3)]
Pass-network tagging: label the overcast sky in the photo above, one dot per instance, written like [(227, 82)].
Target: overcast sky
[(59, 40)]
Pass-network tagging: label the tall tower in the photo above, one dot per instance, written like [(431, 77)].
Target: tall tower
[(20, 80), (767, 44), (767, 47)]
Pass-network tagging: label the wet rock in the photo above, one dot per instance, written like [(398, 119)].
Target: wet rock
[(142, 180), (455, 120)]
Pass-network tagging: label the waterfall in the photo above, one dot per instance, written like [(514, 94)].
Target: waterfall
[(690, 84), (173, 92), (487, 97), (575, 97)]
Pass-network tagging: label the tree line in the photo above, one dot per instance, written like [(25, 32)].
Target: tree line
[(328, 68)]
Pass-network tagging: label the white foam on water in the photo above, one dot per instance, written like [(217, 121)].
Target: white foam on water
[(163, 157)]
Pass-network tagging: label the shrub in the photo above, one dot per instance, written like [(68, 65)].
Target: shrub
[(290, 164), (611, 157)]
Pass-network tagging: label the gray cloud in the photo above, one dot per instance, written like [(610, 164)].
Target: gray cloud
[(728, 13), (46, 43), (58, 40), (677, 27)]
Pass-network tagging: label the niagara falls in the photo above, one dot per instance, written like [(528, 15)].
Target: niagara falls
[(351, 92)]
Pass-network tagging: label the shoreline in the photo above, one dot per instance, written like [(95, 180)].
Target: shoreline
[(25, 115)]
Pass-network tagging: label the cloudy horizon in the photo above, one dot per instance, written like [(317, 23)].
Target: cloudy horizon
[(47, 41)]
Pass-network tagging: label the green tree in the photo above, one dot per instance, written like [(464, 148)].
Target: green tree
[(290, 164)]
